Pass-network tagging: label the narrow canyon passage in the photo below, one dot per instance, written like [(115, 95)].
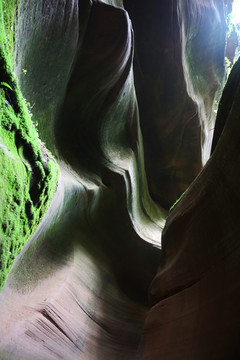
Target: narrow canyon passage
[(119, 180)]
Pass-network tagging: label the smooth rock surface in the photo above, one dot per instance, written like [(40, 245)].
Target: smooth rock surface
[(195, 294)]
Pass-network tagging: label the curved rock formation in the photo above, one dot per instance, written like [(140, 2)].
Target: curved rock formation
[(195, 294), (80, 288)]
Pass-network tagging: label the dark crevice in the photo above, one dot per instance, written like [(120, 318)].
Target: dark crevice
[(175, 291)]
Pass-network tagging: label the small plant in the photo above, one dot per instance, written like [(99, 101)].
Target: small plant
[(228, 65), (6, 85), (215, 106), (4, 92), (177, 201)]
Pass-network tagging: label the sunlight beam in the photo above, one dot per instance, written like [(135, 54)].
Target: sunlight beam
[(236, 12)]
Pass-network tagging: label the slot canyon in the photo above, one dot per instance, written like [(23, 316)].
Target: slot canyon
[(119, 187)]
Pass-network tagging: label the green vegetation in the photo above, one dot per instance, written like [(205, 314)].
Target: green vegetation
[(28, 172), (232, 30), (177, 201), (9, 16)]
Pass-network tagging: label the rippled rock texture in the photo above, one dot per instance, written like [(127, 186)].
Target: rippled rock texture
[(123, 94)]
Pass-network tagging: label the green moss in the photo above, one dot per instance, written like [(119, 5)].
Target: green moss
[(9, 11), (177, 201), (28, 172)]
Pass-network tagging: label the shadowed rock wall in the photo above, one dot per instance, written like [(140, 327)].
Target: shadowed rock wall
[(195, 294)]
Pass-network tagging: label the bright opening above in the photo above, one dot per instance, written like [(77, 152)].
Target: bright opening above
[(236, 12)]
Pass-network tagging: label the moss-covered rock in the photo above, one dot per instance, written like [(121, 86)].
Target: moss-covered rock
[(28, 172)]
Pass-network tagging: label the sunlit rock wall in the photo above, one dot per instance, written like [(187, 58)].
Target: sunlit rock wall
[(203, 37)]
